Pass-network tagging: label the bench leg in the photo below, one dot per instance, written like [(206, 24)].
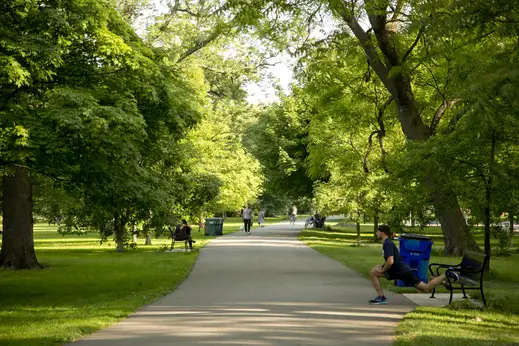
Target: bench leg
[(172, 244), (450, 299), (483, 296), (464, 294), (433, 292)]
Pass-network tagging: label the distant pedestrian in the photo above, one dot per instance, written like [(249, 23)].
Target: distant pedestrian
[(394, 268), (293, 215), (247, 219), (261, 218)]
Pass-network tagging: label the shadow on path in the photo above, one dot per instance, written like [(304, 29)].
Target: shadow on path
[(264, 289)]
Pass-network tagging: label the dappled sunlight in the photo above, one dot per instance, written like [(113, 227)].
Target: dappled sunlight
[(474, 327), (246, 323), (250, 241)]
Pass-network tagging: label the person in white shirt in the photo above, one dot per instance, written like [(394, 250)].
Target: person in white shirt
[(247, 219), (293, 215)]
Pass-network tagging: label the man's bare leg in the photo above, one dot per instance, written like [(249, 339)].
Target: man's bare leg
[(375, 275), (433, 283)]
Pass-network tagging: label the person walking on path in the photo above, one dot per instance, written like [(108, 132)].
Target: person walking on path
[(293, 215), (261, 218), (247, 219), (394, 268)]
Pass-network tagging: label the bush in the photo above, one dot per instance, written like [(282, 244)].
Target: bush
[(503, 304), (502, 240)]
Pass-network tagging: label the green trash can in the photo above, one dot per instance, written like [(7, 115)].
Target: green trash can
[(214, 226), (220, 227)]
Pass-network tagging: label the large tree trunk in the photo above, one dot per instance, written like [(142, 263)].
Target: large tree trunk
[(357, 226), (148, 237), (17, 238), (387, 60), (457, 236), (119, 229)]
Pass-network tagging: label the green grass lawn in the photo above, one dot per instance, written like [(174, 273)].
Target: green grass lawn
[(86, 285), (458, 324)]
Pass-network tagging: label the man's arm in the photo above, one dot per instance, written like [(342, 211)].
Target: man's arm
[(389, 262)]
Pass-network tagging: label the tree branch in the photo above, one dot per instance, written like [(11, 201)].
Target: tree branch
[(382, 132), (416, 40), (397, 11), (370, 142), (42, 173), (367, 45), (11, 95), (446, 104), (377, 17), (481, 173), (199, 45)]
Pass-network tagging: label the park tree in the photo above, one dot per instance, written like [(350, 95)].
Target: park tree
[(279, 140), (92, 112), (38, 40), (217, 150), (476, 148), (400, 43), (353, 133)]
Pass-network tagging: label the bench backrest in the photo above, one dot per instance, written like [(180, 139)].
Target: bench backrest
[(179, 233), (473, 261)]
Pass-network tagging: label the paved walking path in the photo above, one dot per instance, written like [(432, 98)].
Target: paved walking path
[(264, 289)]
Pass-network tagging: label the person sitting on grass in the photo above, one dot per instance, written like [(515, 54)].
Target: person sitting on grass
[(394, 268)]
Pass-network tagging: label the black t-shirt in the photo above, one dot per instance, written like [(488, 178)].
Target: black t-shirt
[(398, 267), (187, 229)]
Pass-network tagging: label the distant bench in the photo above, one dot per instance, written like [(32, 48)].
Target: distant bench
[(179, 234), (470, 272)]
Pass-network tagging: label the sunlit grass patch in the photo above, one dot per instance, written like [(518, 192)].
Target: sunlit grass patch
[(86, 285), (444, 326)]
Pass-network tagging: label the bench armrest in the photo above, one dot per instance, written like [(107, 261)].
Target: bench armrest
[(442, 265)]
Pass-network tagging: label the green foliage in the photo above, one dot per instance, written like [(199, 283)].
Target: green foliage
[(103, 119), (503, 241), (217, 151), (279, 140)]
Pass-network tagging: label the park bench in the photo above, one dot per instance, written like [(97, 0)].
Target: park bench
[(470, 272), (179, 234), (317, 223)]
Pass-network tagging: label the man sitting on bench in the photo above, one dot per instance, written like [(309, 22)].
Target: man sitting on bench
[(185, 227), (394, 268), (182, 232)]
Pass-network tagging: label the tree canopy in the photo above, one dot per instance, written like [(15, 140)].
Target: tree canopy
[(398, 109)]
